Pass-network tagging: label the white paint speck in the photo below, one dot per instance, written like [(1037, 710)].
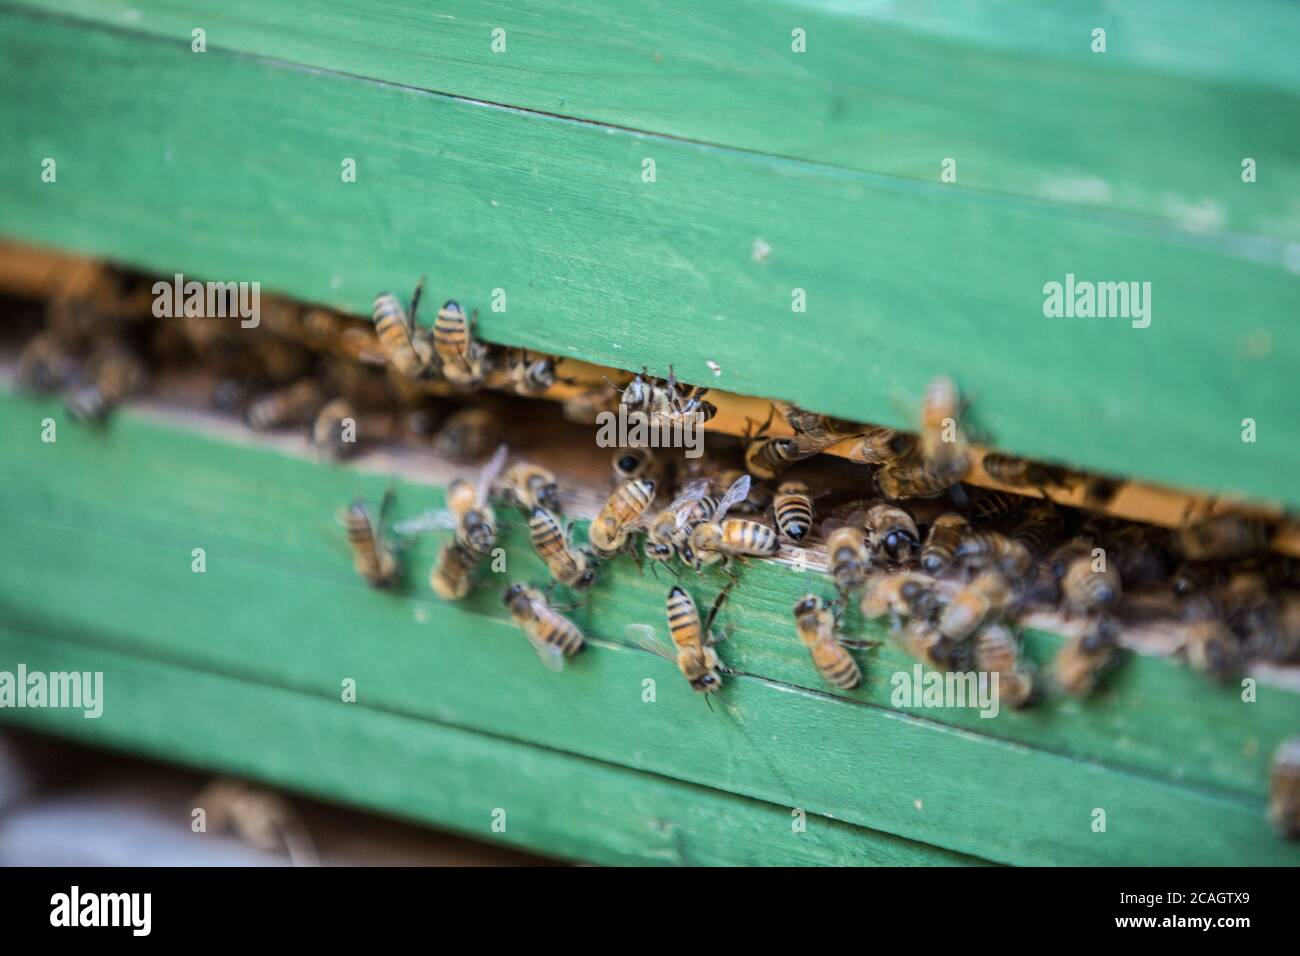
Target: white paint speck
[(917, 804), (715, 368), (761, 250)]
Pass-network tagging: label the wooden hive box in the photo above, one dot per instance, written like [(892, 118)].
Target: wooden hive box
[(822, 203)]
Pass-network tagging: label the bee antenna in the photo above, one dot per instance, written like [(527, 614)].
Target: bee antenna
[(709, 703)]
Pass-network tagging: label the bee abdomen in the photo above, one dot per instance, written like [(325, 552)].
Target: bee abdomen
[(750, 538), (838, 667)]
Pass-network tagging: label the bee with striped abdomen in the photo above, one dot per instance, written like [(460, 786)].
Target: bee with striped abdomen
[(815, 427), (1089, 587), (915, 477), (1023, 473), (1082, 659), (848, 558), (527, 486), (531, 376), (552, 635), (992, 505), (997, 651), (989, 594), (878, 445), (793, 510), (333, 432), (406, 345), (817, 625), (941, 544), (923, 642), (461, 355), (891, 532), (452, 574), (114, 373), (611, 530), (570, 566), (692, 640), (721, 538), (984, 549), (294, 405), (373, 556), (471, 509), (668, 531), (1209, 646), (901, 594)]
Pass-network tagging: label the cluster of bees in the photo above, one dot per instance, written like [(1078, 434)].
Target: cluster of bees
[(951, 569)]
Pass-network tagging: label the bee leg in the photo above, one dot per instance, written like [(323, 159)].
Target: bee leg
[(415, 300), (387, 503), (717, 604)]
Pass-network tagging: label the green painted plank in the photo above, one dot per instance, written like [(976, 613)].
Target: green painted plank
[(903, 280), (1012, 91), (172, 490), (555, 803), (101, 557)]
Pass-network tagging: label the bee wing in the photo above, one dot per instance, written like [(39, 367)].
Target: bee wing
[(645, 637), (737, 493), (490, 473), (693, 492), (436, 519), (552, 657)]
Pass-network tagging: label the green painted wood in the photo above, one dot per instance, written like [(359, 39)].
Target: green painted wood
[(555, 803), (1012, 91), (222, 165), (100, 530)]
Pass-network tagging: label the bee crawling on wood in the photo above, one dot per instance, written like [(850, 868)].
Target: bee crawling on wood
[(721, 538), (374, 556), (664, 399), (113, 374), (1082, 659), (552, 635), (766, 457), (817, 624), (945, 536), (1284, 789), (692, 640), (996, 650), (528, 486), (610, 533), (792, 509), (333, 432), (878, 445), (462, 355), (573, 567), (668, 531), (891, 532), (531, 376), (816, 427), (408, 347), (902, 594), (988, 595)]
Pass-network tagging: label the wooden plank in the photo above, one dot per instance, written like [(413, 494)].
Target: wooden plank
[(555, 803), (904, 280), (102, 531), (1012, 91)]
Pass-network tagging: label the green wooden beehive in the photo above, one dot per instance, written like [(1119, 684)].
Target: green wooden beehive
[(826, 203)]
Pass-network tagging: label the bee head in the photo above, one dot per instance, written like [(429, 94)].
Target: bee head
[(512, 594), (707, 683), (806, 605), (658, 552), (898, 544), (549, 497)]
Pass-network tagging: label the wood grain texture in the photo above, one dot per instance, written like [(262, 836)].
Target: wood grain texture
[(101, 528), (229, 171), (1012, 91), (431, 773)]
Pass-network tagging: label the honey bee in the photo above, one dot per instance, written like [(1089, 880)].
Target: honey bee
[(996, 650), (1222, 537), (767, 457), (879, 445), (983, 549), (461, 354), (941, 543), (630, 463), (471, 511), (585, 407), (468, 434), (649, 396), (331, 434), (756, 502), (815, 427), (452, 574), (45, 365), (1080, 546), (297, 404), (114, 373), (692, 640), (531, 376), (914, 477), (1023, 473), (901, 594), (943, 447), (373, 556), (1039, 529), (922, 641), (987, 595), (406, 345), (573, 567), (528, 486), (552, 635), (793, 510), (1273, 633), (1209, 646), (1284, 789), (721, 538), (1082, 659), (667, 533), (992, 505), (816, 624), (611, 531), (848, 557), (892, 532), (1088, 590)]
